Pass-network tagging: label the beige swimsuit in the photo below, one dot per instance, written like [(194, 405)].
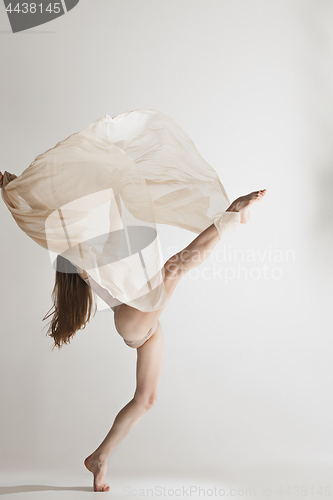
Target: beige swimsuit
[(107, 297)]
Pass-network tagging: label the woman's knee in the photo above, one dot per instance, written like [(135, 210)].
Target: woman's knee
[(173, 267), (170, 269), (146, 399)]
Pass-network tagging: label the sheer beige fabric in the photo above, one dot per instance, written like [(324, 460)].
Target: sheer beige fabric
[(96, 197)]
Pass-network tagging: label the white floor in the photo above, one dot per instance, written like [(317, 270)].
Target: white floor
[(61, 486), (280, 482)]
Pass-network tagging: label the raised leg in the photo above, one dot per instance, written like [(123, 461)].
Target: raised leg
[(134, 324), (148, 374)]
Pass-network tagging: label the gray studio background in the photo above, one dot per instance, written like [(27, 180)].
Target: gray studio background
[(246, 389)]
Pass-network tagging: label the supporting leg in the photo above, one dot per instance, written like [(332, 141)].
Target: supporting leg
[(148, 374)]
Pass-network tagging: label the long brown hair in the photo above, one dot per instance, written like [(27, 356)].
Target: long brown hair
[(73, 303)]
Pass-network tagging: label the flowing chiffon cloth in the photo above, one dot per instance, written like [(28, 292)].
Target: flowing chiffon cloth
[(105, 295), (95, 198)]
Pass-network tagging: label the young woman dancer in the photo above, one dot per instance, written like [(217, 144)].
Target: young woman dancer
[(140, 330)]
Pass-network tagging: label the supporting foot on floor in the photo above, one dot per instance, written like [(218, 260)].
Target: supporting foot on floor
[(98, 468)]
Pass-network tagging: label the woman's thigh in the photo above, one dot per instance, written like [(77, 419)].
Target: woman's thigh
[(149, 367)]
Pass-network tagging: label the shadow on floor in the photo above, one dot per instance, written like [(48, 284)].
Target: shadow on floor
[(27, 488)]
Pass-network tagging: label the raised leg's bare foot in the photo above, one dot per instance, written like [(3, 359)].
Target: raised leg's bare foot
[(98, 467), (243, 203)]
